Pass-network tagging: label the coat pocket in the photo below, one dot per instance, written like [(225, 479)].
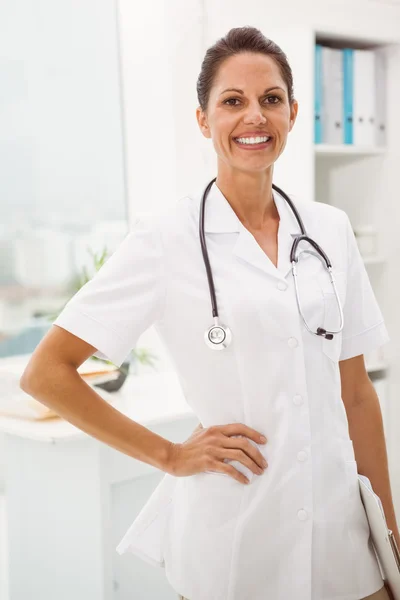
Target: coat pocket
[(357, 517), (348, 451)]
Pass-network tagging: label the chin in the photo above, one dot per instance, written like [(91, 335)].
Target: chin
[(260, 168)]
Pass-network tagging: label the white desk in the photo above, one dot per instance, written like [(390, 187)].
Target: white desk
[(71, 498)]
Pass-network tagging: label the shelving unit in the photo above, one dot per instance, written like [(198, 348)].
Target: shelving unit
[(327, 150), (353, 178)]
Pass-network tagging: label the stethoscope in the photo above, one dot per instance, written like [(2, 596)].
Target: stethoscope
[(218, 336)]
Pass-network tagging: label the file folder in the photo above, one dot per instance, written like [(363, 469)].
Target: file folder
[(384, 544), (364, 98), (380, 96), (332, 96), (318, 94), (348, 63)]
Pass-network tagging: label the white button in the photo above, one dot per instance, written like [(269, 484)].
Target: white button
[(298, 399), (302, 514), (282, 286), (292, 342), (302, 456)]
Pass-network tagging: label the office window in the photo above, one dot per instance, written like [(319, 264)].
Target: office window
[(62, 192)]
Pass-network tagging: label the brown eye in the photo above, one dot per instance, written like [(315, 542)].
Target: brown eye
[(229, 100), (275, 98)]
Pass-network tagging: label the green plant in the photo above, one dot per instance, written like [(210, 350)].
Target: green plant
[(141, 355)]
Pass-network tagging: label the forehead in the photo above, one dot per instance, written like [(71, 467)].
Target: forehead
[(247, 69)]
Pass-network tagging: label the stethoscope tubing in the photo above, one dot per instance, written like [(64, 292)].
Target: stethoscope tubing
[(222, 333)]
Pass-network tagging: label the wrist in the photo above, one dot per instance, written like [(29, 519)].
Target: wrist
[(169, 459)]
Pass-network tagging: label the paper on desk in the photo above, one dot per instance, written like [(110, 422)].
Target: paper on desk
[(14, 402)]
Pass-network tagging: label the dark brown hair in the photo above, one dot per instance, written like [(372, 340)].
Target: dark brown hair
[(237, 41)]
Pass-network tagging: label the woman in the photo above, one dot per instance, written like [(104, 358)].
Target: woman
[(298, 530)]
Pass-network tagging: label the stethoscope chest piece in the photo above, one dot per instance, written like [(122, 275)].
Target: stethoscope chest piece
[(218, 337)]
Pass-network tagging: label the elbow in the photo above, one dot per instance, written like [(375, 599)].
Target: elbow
[(39, 376), (36, 372), (29, 378), (25, 382)]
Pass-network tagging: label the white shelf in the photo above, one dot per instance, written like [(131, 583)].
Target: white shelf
[(378, 366), (347, 150), (374, 260)]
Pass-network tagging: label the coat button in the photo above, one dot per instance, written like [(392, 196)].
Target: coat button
[(292, 342), (302, 456), (302, 515), (297, 399), (282, 285)]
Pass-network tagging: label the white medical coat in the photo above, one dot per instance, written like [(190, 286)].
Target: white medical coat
[(299, 530)]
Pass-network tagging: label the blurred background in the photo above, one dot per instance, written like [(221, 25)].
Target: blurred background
[(98, 126)]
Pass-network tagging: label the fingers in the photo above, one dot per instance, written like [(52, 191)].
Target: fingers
[(245, 450), (241, 429), (255, 463), (234, 473), (236, 447), (215, 447)]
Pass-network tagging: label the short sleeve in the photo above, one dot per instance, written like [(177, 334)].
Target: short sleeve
[(123, 299), (364, 329)]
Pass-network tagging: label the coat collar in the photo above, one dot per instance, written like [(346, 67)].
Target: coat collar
[(219, 215), (221, 218)]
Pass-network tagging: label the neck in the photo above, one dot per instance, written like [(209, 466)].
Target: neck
[(250, 196)]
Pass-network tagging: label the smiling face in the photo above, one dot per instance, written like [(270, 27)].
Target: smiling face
[(256, 105)]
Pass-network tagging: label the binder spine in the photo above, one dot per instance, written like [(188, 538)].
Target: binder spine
[(394, 547), (348, 62), (380, 97), (318, 94)]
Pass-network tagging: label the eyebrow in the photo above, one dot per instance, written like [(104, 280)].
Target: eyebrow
[(275, 87)]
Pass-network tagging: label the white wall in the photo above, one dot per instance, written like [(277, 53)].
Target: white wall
[(161, 44)]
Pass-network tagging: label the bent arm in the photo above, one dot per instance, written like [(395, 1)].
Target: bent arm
[(51, 378), (367, 433)]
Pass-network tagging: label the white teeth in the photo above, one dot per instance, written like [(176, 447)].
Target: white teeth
[(253, 140)]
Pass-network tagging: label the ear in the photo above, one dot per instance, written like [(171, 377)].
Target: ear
[(293, 114), (202, 122)]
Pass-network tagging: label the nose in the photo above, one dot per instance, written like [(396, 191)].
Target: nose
[(254, 115)]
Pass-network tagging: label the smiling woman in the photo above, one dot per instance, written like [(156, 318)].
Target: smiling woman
[(287, 521)]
